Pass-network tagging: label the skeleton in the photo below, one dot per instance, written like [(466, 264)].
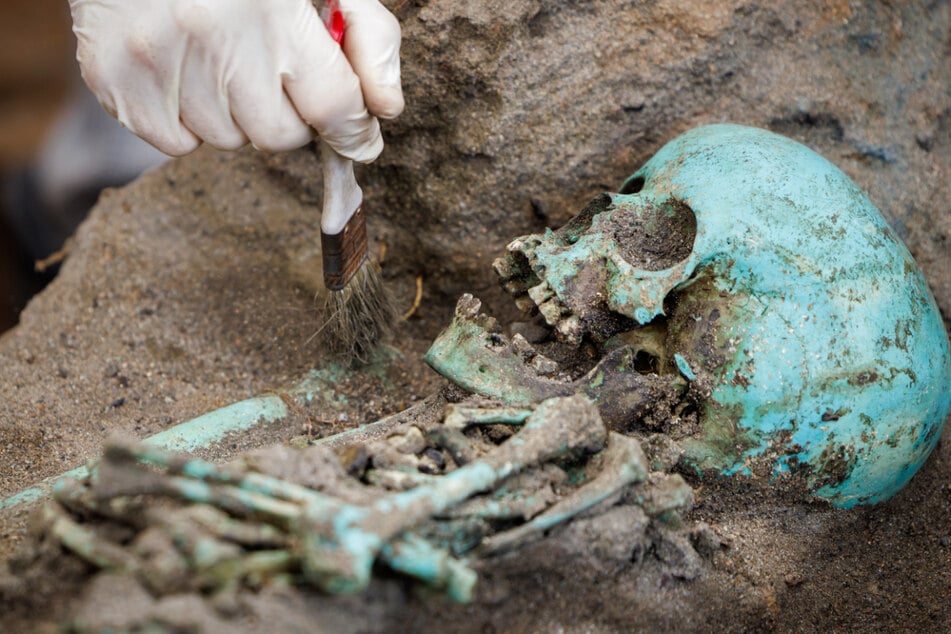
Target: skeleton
[(242, 525), (723, 305)]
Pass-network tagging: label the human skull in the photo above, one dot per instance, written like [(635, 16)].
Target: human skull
[(751, 268)]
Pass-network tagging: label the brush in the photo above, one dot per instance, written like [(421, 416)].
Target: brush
[(358, 312)]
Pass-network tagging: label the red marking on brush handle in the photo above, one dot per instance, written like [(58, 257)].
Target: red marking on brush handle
[(333, 20)]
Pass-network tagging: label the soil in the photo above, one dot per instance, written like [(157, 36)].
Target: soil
[(194, 288)]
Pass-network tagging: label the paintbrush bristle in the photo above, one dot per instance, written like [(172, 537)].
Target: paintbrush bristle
[(359, 317)]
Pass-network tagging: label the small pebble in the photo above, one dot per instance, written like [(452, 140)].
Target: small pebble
[(436, 456), (521, 345), (544, 366)]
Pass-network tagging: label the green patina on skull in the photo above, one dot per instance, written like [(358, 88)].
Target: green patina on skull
[(745, 275)]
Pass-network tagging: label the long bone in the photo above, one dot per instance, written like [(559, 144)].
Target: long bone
[(222, 566), (246, 494), (341, 542), (624, 464), (338, 542)]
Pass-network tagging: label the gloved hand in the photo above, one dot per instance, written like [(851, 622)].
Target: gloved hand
[(179, 72)]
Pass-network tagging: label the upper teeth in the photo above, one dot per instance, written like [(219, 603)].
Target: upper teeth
[(515, 273), (541, 294), (558, 316), (570, 329)]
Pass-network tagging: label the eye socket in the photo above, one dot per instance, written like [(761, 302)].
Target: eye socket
[(655, 237), (632, 185)]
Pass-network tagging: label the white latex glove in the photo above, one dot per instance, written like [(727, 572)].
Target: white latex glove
[(179, 72)]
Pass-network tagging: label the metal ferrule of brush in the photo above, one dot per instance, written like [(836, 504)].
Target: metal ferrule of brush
[(344, 253)]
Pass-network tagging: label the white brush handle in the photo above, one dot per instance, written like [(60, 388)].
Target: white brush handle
[(342, 195)]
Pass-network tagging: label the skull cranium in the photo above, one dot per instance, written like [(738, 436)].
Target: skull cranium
[(750, 267)]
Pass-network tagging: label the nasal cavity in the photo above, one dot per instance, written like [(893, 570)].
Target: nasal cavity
[(578, 226)]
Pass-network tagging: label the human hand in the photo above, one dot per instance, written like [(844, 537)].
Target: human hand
[(179, 72)]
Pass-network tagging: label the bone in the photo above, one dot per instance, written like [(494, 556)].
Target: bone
[(524, 349), (245, 494), (224, 527), (176, 553), (397, 480), (84, 541), (545, 367), (541, 293), (508, 268), (556, 313), (418, 557), (258, 564), (624, 464), (667, 494), (525, 304), (552, 310), (522, 497), (570, 329), (342, 542), (454, 442), (463, 355), (460, 416)]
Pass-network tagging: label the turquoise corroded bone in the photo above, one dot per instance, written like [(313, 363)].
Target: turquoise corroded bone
[(342, 542), (333, 539), (473, 356), (769, 277)]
